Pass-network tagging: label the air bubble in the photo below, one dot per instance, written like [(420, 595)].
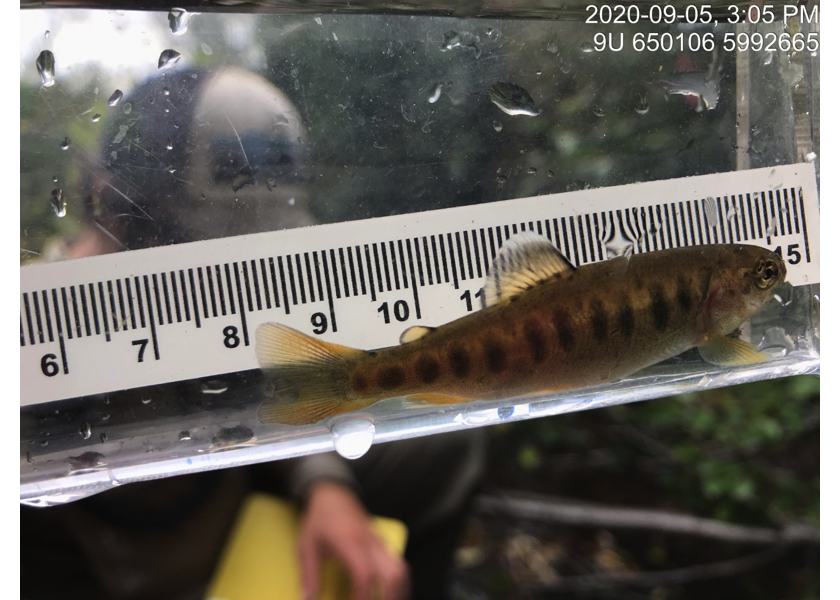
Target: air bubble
[(586, 47), (47, 34), (532, 171), (617, 244), (65, 143), (598, 111), (208, 51), (85, 430), (550, 173), (127, 108), (169, 144), (45, 63), (59, 205), (95, 118), (184, 436), (352, 438), (168, 58), (505, 412), (776, 343), (115, 98), (497, 125), (146, 400), (452, 40), (640, 104)]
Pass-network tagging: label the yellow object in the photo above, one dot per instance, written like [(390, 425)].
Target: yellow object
[(260, 561)]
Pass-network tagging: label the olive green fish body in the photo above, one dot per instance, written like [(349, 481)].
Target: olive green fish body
[(549, 327)]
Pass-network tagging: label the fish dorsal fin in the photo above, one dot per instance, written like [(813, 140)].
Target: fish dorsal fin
[(523, 261), (414, 333)]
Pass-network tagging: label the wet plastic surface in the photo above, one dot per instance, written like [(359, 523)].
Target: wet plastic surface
[(265, 122)]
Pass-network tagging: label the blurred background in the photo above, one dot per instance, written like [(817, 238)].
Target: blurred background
[(126, 114)]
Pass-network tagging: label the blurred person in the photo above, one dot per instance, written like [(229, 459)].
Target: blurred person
[(203, 156)]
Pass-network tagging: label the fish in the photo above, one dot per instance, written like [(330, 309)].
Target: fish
[(545, 326)]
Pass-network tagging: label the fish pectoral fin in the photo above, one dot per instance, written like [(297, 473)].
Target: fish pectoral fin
[(727, 352), (416, 400), (522, 262), (414, 333)]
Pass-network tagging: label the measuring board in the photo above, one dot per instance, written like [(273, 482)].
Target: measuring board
[(145, 317)]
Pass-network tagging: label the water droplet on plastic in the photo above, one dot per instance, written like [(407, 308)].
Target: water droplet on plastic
[(55, 178), (732, 213), (169, 144), (103, 437), (532, 171), (47, 34), (497, 125), (478, 417), (59, 205), (214, 386), (453, 39), (768, 58), (710, 208), (705, 381), (492, 33), (505, 412), (178, 21), (771, 227), (427, 127), (45, 63), (291, 201), (146, 400), (184, 436), (586, 47), (85, 430), (598, 111), (232, 436), (127, 108), (29, 458), (208, 51), (115, 98), (617, 244), (95, 118), (811, 156), (165, 91), (655, 226), (513, 100), (352, 438), (550, 173), (434, 94), (65, 143), (86, 461), (168, 58), (501, 180), (45, 442), (640, 104)]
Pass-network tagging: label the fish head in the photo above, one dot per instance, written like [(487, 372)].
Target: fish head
[(742, 282)]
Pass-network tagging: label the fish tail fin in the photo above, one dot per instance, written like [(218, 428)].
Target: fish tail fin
[(310, 377)]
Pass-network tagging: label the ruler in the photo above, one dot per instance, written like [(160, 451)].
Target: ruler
[(127, 320)]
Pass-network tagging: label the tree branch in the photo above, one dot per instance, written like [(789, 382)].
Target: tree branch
[(598, 515)]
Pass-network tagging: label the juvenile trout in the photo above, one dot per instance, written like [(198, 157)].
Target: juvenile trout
[(546, 326)]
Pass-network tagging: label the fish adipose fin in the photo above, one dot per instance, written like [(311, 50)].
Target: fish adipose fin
[(523, 261), (309, 376), (414, 333), (436, 399), (727, 351)]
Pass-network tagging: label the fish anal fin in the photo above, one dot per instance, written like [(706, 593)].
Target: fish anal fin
[(434, 399), (414, 333), (727, 351), (523, 261)]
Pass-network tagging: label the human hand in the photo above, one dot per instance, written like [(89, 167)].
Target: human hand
[(336, 524)]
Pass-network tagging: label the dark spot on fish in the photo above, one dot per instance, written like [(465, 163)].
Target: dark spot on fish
[(496, 357), (460, 361), (359, 383), (746, 288), (563, 328), (626, 318), (600, 322), (659, 308), (371, 353), (391, 378), (535, 337), (684, 294), (428, 369)]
